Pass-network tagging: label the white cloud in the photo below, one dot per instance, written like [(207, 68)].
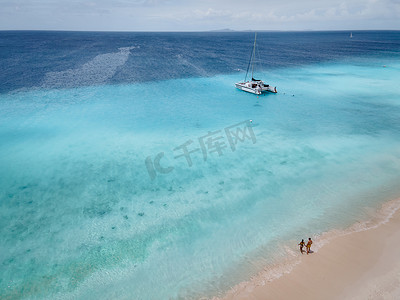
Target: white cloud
[(199, 15)]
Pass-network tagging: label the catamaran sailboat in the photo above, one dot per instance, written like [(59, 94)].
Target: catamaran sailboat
[(254, 86)]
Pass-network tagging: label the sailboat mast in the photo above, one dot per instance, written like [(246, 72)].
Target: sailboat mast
[(253, 56)]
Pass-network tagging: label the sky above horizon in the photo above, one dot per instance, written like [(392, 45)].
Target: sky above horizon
[(180, 15)]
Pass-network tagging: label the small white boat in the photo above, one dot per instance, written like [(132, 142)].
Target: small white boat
[(254, 86), (351, 35)]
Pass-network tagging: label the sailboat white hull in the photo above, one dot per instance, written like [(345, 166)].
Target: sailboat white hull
[(255, 87)]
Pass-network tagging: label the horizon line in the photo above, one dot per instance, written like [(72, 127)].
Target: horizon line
[(211, 30)]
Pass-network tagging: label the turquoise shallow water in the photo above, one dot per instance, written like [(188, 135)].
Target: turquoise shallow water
[(82, 218)]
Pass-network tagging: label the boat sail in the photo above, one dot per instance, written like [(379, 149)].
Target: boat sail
[(351, 35), (254, 86)]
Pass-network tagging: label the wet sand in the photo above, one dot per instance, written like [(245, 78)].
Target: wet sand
[(360, 263)]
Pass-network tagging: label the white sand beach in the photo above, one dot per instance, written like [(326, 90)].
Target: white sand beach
[(361, 263)]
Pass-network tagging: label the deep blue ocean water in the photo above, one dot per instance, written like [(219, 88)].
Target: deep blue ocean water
[(98, 199)]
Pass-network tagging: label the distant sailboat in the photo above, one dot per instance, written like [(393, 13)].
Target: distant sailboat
[(254, 86), (351, 35)]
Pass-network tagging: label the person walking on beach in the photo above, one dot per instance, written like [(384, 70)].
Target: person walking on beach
[(301, 246), (309, 243)]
